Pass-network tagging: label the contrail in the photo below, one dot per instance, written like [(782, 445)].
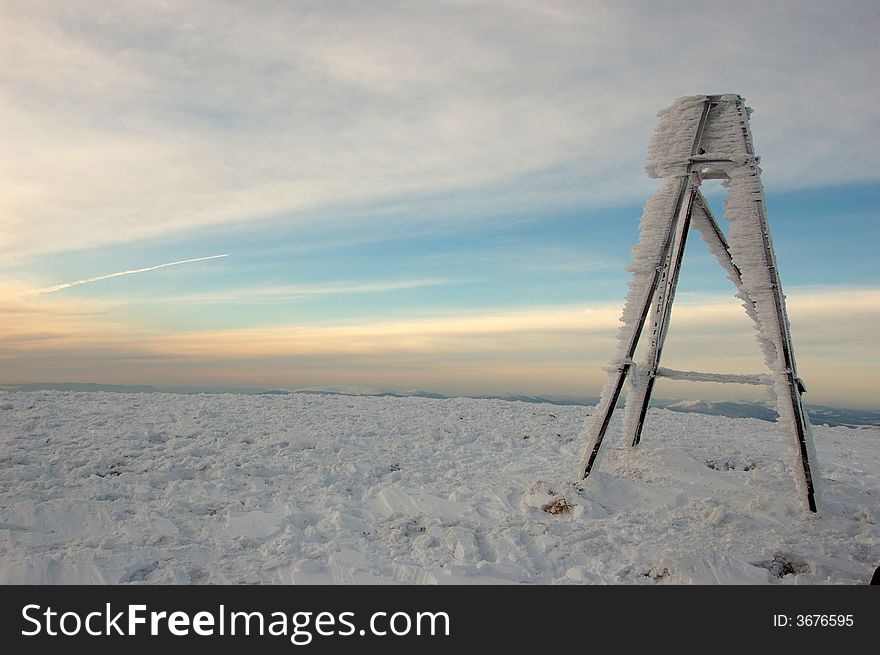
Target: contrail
[(67, 285)]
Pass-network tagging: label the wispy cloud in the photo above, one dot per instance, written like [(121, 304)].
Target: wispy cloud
[(258, 294), (89, 280), (470, 332), (705, 321), (34, 323), (333, 107)]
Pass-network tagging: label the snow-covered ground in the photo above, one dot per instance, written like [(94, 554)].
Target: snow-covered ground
[(118, 488)]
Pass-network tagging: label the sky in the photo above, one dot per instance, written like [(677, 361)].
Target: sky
[(415, 195)]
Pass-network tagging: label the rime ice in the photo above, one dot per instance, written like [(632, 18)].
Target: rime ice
[(697, 137)]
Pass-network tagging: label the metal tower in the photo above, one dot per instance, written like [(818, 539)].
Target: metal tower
[(701, 138)]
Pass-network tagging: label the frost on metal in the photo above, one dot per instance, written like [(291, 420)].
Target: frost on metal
[(752, 251), (671, 143), (653, 232), (704, 137)]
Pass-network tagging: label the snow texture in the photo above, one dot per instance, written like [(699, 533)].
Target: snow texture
[(726, 134), (645, 257), (635, 400), (673, 140), (305, 488)]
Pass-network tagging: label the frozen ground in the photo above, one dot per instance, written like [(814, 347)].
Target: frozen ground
[(165, 488)]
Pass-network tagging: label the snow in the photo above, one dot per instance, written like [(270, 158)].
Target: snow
[(635, 399), (307, 488), (673, 138), (727, 134), (646, 255)]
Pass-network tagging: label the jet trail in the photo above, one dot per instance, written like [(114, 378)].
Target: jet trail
[(67, 285)]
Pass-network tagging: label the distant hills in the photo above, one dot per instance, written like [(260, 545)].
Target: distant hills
[(132, 388), (819, 414), (345, 390)]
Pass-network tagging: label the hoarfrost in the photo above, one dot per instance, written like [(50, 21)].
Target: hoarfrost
[(725, 145)]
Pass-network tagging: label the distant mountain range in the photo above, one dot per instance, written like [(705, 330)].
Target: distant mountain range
[(369, 391), (819, 414)]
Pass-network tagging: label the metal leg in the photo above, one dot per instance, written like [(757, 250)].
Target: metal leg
[(624, 369), (794, 384), (663, 312)]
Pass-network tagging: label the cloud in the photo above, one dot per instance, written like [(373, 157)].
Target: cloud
[(549, 349), (146, 120), (34, 323), (259, 294), (705, 321), (67, 285), (468, 333)]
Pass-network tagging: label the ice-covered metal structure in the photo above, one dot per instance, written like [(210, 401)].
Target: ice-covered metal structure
[(700, 138)]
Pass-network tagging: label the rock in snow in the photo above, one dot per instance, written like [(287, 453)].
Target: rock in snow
[(165, 488)]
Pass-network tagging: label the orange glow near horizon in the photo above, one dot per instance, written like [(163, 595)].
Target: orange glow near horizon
[(560, 349)]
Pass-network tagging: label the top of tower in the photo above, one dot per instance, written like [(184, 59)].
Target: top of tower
[(721, 125)]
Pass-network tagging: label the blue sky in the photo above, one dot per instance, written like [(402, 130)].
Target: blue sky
[(434, 195)]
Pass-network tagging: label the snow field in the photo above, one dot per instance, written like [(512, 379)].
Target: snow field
[(166, 488)]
